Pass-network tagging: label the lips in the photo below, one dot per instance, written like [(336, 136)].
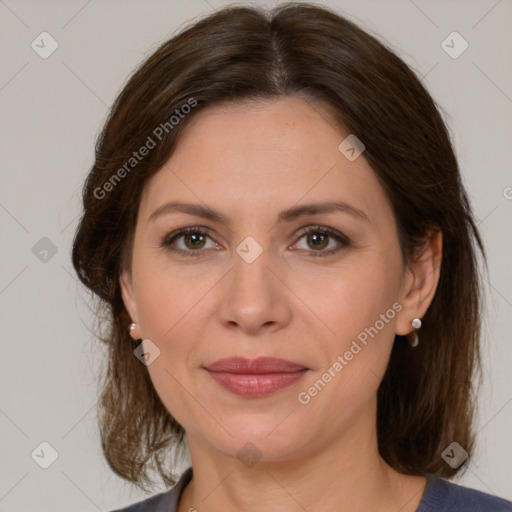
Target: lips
[(255, 377), (261, 365)]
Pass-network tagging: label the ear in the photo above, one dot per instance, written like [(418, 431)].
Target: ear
[(125, 281), (420, 283)]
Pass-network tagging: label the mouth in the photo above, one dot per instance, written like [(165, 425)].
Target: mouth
[(255, 377)]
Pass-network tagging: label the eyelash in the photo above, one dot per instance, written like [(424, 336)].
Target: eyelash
[(338, 237)]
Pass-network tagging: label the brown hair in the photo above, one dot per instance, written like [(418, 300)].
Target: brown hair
[(426, 399)]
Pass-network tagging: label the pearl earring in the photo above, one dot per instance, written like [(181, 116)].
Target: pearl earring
[(416, 323), (413, 336), (131, 328)]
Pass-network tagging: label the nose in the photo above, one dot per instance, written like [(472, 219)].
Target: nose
[(255, 299)]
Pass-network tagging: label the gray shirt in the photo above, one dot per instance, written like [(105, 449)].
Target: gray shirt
[(439, 496)]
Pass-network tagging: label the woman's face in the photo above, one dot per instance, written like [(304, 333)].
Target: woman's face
[(252, 284)]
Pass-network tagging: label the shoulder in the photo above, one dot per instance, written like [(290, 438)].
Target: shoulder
[(160, 502), (163, 502), (441, 495)]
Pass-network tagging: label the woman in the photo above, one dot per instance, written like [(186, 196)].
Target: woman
[(276, 222)]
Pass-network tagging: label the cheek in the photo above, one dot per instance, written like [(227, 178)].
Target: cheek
[(171, 313), (356, 355), (357, 305), (351, 297), (166, 296), (170, 317)]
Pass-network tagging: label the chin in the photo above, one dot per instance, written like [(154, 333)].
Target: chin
[(260, 438)]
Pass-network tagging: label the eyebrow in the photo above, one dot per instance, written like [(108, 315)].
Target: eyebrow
[(205, 212)]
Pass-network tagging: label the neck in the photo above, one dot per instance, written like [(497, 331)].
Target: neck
[(345, 473)]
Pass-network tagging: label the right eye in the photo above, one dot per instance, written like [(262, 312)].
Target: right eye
[(188, 241)]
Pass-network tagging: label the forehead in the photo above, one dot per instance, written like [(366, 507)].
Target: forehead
[(256, 157)]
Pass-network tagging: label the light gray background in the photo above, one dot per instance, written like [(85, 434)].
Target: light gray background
[(51, 111)]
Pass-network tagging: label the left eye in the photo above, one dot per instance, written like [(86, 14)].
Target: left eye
[(324, 241)]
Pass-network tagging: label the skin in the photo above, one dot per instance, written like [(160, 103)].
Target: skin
[(250, 162)]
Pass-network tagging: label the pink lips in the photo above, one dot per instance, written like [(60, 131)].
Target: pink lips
[(255, 377)]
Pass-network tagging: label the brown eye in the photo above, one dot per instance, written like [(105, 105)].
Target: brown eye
[(194, 241), (317, 241), (189, 242), (322, 241)]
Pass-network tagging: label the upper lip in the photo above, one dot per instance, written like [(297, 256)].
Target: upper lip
[(260, 365)]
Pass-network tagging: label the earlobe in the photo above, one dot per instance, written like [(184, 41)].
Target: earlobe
[(125, 282), (420, 284)]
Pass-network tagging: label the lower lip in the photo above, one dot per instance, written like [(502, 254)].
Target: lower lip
[(256, 385)]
